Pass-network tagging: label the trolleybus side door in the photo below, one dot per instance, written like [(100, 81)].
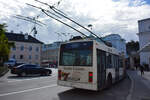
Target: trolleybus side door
[(101, 68)]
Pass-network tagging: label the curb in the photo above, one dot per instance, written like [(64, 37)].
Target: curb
[(4, 73), (129, 96)]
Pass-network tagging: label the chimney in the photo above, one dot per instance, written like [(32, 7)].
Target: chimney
[(26, 36)]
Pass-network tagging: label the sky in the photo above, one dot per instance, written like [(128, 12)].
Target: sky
[(106, 16)]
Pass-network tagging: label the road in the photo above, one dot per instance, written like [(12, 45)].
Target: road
[(45, 88)]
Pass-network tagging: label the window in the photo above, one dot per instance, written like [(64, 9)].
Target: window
[(30, 48), (36, 56), (77, 58), (30, 57), (21, 56), (109, 61), (22, 48), (37, 49), (76, 54)]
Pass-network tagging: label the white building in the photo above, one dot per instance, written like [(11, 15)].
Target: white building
[(117, 42), (50, 53), (144, 40), (27, 49)]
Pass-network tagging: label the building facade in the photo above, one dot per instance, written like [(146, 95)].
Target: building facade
[(27, 49), (144, 41), (117, 42), (50, 53)]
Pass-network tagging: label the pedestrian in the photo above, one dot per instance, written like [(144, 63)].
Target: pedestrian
[(142, 70)]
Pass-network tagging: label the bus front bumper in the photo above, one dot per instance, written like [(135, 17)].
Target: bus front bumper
[(87, 86)]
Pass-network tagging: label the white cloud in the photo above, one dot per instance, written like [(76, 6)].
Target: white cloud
[(106, 16)]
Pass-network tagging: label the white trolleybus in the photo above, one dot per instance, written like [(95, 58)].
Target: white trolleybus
[(88, 64)]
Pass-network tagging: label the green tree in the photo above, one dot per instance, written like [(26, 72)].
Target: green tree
[(4, 45), (132, 46)]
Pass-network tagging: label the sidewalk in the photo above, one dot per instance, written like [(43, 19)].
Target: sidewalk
[(140, 88)]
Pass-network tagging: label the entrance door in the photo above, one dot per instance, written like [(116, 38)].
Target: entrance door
[(101, 68)]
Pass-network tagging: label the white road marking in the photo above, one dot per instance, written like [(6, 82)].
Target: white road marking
[(28, 90), (30, 79)]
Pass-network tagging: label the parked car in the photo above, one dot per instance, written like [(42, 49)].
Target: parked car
[(25, 69), (16, 64), (10, 62)]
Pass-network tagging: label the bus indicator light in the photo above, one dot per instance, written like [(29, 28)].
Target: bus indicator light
[(59, 74), (90, 76)]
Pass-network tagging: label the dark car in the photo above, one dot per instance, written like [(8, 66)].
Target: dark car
[(16, 64), (25, 69)]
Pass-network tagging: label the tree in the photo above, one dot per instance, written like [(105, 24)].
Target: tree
[(132, 46), (4, 45)]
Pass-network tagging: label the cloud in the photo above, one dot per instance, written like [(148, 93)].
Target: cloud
[(106, 16)]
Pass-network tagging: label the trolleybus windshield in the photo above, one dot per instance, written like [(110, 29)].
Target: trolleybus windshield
[(76, 54)]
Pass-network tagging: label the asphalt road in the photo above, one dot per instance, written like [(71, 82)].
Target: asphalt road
[(45, 88)]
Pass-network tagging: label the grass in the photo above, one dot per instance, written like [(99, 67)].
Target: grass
[(3, 69)]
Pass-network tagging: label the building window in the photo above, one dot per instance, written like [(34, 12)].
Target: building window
[(36, 56), (21, 56), (22, 48), (37, 49), (30, 48), (30, 57)]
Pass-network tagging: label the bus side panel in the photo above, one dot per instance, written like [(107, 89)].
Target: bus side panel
[(112, 71)]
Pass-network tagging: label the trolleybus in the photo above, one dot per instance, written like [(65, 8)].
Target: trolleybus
[(88, 64)]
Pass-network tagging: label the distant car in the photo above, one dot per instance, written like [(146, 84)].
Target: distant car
[(25, 69), (10, 62)]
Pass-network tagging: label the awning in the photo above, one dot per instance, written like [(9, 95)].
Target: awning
[(145, 48)]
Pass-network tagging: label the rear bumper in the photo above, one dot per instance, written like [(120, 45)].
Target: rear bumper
[(87, 86)]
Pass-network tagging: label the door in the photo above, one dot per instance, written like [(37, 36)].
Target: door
[(101, 68)]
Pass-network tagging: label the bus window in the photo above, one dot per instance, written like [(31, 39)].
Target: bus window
[(76, 54), (109, 59)]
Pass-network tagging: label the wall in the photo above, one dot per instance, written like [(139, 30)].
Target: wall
[(144, 38), (35, 55)]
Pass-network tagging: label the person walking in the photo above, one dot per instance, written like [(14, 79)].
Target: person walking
[(142, 70)]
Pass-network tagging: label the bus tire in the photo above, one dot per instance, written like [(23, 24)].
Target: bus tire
[(109, 81)]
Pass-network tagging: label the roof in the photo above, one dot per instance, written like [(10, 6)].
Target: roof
[(21, 38), (144, 19)]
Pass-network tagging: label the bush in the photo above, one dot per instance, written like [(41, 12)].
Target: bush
[(3, 69)]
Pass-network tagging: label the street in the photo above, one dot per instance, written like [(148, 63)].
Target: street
[(45, 88)]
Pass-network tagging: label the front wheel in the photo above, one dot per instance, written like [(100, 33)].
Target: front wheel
[(47, 73), (23, 74)]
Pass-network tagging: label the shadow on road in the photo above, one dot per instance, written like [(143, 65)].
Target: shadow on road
[(26, 77), (118, 91)]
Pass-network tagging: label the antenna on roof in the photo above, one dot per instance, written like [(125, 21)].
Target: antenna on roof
[(32, 20)]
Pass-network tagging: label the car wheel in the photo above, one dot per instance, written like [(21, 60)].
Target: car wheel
[(47, 73), (23, 74)]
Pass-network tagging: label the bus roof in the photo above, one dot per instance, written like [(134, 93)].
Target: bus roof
[(99, 45)]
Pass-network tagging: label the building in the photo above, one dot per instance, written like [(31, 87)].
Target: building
[(50, 53), (27, 49), (144, 41), (117, 42)]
